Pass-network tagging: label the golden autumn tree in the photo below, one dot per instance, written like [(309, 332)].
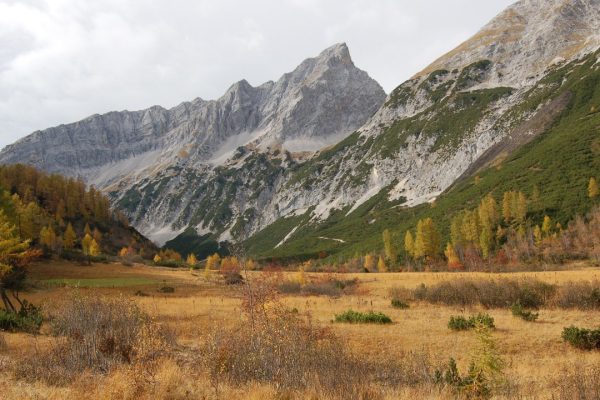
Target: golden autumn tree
[(14, 257), (409, 244), (593, 190), (369, 262), (95, 249), (70, 237), (381, 267), (86, 244), (391, 252), (191, 260), (48, 238), (547, 225), (452, 257), (427, 241)]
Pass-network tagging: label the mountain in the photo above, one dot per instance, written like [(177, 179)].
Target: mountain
[(321, 162), (169, 168)]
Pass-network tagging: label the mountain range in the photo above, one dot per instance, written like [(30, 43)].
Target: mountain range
[(322, 160)]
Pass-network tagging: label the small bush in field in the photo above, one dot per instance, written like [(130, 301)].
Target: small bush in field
[(166, 289), (460, 323), (94, 334), (585, 339), (355, 317), (519, 311), (397, 303), (28, 319), (3, 344)]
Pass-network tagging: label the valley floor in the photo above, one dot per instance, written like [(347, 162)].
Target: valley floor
[(535, 354)]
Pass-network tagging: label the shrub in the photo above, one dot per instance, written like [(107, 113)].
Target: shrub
[(165, 289), (3, 344), (460, 323), (355, 317), (94, 334), (28, 319), (582, 295), (272, 345), (531, 293), (324, 287), (579, 382), (232, 277), (397, 303), (585, 339), (519, 311)]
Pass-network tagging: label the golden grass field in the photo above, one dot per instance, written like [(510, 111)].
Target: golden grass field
[(534, 352)]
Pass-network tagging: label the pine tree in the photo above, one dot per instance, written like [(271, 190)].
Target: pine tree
[(97, 235), (409, 244), (593, 190), (87, 230), (381, 267), (391, 252), (70, 237)]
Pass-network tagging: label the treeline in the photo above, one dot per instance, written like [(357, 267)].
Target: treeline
[(500, 233), (62, 216)]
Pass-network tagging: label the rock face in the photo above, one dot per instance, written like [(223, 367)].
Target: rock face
[(256, 156), (319, 103)]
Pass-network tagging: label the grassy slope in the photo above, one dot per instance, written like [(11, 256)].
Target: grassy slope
[(559, 162)]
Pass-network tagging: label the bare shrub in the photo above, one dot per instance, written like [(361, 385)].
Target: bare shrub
[(582, 295), (272, 345), (577, 383), (3, 344), (95, 334), (531, 293), (403, 294), (327, 286)]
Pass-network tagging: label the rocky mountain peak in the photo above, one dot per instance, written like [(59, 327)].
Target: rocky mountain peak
[(527, 38)]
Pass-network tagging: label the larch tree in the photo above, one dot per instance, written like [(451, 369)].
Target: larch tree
[(95, 249), (86, 244), (70, 237), (427, 242), (537, 235), (547, 225), (14, 257), (369, 262), (191, 260), (48, 238), (593, 190), (391, 252), (381, 267), (409, 244), (452, 257)]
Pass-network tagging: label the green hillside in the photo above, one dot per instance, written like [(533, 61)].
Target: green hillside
[(559, 162)]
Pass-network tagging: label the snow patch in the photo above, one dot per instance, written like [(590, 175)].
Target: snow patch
[(289, 235), (334, 239)]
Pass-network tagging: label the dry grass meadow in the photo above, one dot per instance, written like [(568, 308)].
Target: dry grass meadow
[(539, 365)]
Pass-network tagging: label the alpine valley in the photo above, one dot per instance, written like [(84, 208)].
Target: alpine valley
[(321, 161)]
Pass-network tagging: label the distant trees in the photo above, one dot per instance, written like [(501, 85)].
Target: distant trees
[(427, 239), (369, 262)]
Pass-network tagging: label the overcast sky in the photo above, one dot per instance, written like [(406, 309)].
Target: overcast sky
[(62, 60)]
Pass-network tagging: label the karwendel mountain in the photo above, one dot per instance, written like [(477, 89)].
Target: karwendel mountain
[(322, 159)]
